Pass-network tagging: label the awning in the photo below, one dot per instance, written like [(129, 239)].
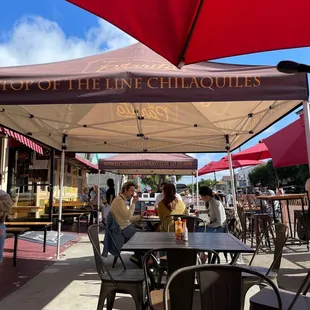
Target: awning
[(22, 139), (92, 168)]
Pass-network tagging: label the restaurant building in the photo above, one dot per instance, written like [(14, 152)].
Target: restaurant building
[(27, 172)]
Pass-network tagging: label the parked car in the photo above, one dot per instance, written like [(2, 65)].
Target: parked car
[(294, 189)]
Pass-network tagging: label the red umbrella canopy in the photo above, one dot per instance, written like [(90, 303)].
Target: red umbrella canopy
[(288, 146), (206, 168), (191, 31), (256, 152), (223, 164)]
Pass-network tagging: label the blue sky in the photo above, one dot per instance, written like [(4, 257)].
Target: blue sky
[(52, 30)]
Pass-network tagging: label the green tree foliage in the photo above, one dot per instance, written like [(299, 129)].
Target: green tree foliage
[(153, 181), (202, 182), (266, 175)]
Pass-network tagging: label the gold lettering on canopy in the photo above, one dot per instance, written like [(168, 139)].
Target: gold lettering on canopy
[(150, 111), (153, 83)]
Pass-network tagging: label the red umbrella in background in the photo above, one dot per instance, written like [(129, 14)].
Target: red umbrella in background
[(256, 152), (207, 167), (191, 31), (288, 146), (223, 164)]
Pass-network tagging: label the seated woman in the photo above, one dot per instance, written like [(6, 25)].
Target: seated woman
[(170, 205), (216, 210)]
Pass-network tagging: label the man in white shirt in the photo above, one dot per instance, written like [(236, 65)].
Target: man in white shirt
[(161, 196)]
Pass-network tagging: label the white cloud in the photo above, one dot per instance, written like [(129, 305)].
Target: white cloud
[(34, 39)]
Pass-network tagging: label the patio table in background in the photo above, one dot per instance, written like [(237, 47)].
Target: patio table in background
[(287, 199)]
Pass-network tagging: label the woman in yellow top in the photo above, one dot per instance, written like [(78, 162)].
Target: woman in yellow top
[(170, 205)]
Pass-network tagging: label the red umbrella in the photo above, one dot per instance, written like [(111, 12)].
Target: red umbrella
[(256, 152), (190, 31), (207, 167), (223, 164), (288, 146)]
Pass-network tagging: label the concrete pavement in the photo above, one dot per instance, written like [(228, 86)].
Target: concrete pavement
[(72, 283)]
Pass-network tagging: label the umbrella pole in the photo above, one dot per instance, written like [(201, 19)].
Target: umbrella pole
[(231, 171), (98, 199), (307, 128), (197, 190), (215, 179), (62, 172)]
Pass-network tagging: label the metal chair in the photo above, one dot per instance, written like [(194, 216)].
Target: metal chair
[(265, 300), (129, 281), (220, 286), (153, 278), (280, 238), (192, 222)]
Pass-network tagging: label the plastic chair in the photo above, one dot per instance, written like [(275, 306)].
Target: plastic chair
[(220, 287), (154, 286), (129, 281)]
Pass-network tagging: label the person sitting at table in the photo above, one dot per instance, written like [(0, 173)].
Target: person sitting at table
[(216, 210), (124, 215), (84, 197), (170, 205), (6, 204), (161, 196)]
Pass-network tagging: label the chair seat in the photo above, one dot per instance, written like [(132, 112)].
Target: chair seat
[(262, 270), (128, 275), (266, 300), (157, 299)]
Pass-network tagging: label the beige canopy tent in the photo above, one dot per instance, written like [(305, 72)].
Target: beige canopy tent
[(133, 100)]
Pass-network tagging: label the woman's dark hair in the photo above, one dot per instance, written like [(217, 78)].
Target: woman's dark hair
[(169, 193), (207, 191), (110, 183)]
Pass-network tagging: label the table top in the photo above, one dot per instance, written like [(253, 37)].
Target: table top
[(221, 242), (28, 223), (282, 197), (12, 230)]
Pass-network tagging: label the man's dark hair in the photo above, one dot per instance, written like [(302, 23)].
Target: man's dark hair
[(127, 185), (207, 191)]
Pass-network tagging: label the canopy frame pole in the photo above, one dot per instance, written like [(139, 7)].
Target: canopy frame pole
[(231, 171), (307, 128), (98, 198), (193, 184), (62, 173), (197, 190)]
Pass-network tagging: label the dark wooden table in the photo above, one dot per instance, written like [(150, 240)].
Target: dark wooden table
[(32, 225), (181, 289), (15, 231)]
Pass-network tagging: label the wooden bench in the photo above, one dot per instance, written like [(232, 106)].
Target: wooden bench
[(32, 224), (15, 231)]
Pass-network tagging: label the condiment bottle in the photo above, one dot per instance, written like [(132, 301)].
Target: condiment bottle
[(178, 229), (184, 231)]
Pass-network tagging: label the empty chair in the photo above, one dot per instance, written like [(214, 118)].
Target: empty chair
[(129, 281), (265, 299), (220, 286)]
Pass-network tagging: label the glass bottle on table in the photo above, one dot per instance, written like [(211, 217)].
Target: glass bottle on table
[(178, 229), (184, 231)]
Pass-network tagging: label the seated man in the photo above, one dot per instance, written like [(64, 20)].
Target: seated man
[(124, 215)]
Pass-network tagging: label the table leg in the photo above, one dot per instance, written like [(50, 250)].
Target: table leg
[(289, 218), (305, 221), (182, 288), (78, 223), (44, 241), (15, 248), (273, 211)]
